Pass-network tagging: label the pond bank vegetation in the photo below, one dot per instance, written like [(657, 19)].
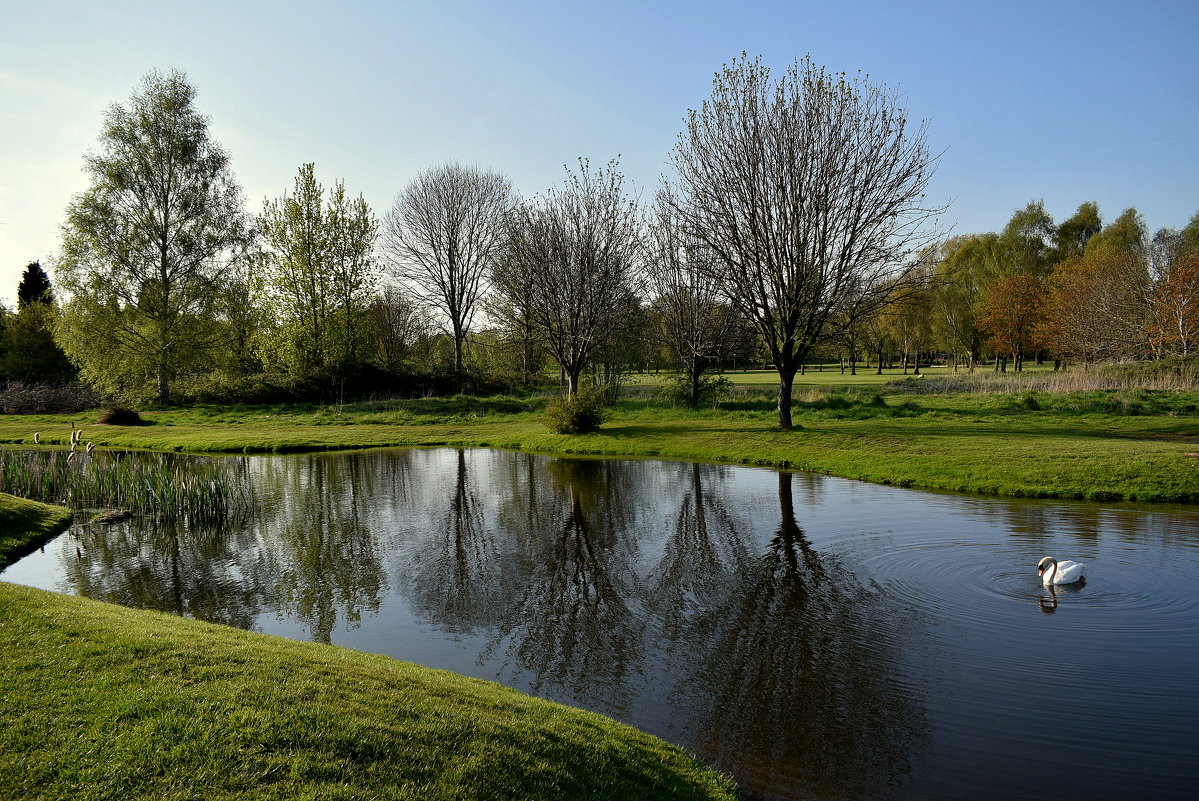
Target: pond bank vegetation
[(1105, 445)]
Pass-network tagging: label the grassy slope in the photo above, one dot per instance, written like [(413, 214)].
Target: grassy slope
[(103, 702), (960, 443), (24, 524)]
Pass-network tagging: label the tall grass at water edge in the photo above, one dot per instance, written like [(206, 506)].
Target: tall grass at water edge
[(164, 486)]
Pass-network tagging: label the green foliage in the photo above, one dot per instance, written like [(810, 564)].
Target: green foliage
[(34, 286), (28, 352), (1071, 237), (579, 413), (142, 292), (316, 280), (713, 388)]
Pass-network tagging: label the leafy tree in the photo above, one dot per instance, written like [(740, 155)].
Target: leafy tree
[(443, 236), (30, 353), (1072, 235), (147, 246), (959, 274), (34, 286), (908, 322), (574, 251), (318, 279), (1126, 233), (1010, 312), (1024, 244), (809, 191)]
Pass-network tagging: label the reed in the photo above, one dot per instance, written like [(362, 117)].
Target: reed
[(165, 486)]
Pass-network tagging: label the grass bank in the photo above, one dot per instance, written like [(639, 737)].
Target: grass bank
[(26, 524), (1134, 445), (104, 702)]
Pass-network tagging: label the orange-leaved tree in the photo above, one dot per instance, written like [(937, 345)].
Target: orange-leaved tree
[(1010, 313), (1173, 325)]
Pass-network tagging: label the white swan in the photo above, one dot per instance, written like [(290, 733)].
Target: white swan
[(1053, 572)]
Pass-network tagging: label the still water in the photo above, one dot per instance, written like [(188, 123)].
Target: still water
[(812, 636)]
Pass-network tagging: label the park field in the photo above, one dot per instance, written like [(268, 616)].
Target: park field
[(104, 702), (1136, 445)]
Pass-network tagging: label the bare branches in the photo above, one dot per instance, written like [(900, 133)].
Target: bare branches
[(442, 237), (574, 250), (694, 318), (810, 192)]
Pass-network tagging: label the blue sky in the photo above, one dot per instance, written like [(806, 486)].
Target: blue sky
[(1066, 101)]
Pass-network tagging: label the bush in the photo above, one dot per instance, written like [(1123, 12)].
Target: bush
[(713, 388), (576, 414), (120, 416)]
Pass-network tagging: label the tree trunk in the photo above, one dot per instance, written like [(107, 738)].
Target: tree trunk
[(572, 381), (164, 388), (693, 393), (786, 381)]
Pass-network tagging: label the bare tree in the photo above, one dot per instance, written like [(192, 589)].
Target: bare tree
[(692, 313), (442, 236), (810, 191), (397, 326), (574, 251)]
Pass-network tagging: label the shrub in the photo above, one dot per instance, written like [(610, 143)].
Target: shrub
[(713, 388), (18, 398), (575, 414), (120, 416)]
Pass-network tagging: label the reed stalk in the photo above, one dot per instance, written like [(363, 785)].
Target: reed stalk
[(164, 486)]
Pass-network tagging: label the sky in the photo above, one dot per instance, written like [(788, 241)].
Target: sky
[(1062, 101)]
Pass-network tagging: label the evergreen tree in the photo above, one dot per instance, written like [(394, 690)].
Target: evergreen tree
[(34, 286)]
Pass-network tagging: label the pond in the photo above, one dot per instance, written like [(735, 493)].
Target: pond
[(812, 636)]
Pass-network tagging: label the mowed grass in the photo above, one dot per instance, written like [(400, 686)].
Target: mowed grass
[(1135, 446), (25, 524), (104, 702)]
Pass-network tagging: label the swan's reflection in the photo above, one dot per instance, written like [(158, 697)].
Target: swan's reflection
[(1054, 593)]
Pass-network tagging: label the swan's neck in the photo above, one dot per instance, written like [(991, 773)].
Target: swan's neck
[(1050, 573)]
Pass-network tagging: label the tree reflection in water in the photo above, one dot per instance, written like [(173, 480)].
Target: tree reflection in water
[(455, 574), (320, 548), (169, 567), (788, 685), (571, 629), (638, 589)]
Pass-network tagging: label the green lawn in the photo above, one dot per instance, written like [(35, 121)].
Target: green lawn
[(25, 524), (1100, 446), (104, 702)]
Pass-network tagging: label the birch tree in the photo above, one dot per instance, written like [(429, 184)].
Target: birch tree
[(147, 246)]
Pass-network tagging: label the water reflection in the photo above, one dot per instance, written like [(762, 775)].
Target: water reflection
[(789, 678), (788, 628), (196, 572)]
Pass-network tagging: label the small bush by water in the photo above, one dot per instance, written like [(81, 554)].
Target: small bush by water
[(576, 414)]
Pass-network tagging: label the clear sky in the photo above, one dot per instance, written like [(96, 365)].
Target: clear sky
[(1066, 101)]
